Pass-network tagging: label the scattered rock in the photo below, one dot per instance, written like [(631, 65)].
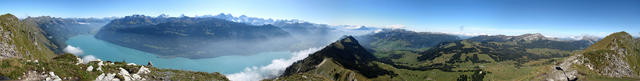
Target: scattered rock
[(131, 64), (7, 50), (565, 66), (107, 77), (149, 64), (143, 70), (124, 73), (79, 61), (53, 77), (90, 68)]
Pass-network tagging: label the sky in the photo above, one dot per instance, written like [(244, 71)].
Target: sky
[(557, 18)]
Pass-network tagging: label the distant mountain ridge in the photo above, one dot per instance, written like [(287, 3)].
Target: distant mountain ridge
[(186, 36), (520, 48), (58, 30), (532, 41), (400, 39), (313, 34)]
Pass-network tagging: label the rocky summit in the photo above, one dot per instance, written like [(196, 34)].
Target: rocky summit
[(617, 55), (345, 55)]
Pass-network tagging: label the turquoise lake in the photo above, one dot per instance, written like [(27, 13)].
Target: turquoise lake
[(224, 64)]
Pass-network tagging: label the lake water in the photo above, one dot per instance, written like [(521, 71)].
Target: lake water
[(224, 64)]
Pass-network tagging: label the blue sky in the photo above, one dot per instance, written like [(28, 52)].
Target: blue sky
[(512, 17)]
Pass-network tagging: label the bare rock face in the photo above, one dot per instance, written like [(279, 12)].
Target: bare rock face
[(566, 71), (618, 66), (614, 56), (7, 50)]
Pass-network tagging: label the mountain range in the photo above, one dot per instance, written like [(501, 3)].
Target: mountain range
[(59, 30), (191, 37), (400, 39), (194, 37), (28, 51), (531, 56)]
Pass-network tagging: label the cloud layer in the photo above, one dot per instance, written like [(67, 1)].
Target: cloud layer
[(276, 68)]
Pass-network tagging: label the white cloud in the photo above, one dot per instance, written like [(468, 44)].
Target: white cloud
[(353, 27), (276, 68), (89, 58), (396, 26), (83, 23), (73, 50), (378, 31)]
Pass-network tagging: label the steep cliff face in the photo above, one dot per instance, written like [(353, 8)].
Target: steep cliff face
[(58, 30), (22, 39), (342, 60), (617, 55)]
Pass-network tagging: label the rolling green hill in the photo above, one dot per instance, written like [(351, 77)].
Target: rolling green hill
[(521, 48), (491, 58), (346, 60), (400, 39)]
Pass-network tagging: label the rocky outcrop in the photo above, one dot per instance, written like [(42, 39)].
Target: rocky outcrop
[(40, 76), (7, 50), (22, 39), (617, 55), (567, 71)]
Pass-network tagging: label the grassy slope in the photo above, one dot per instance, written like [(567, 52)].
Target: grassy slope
[(623, 39), (64, 65), (22, 36), (524, 68), (493, 70)]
